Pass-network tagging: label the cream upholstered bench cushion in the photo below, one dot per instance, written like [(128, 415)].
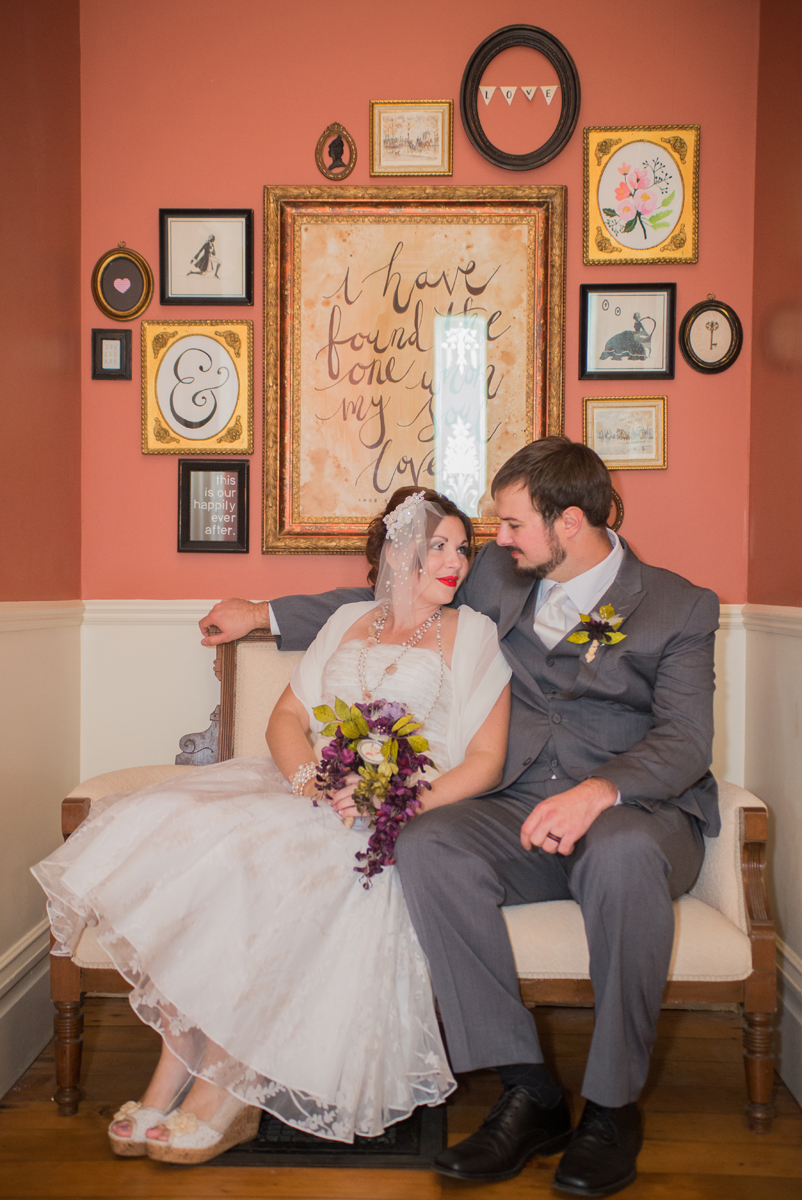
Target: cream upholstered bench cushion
[(263, 672), (710, 936), (130, 779)]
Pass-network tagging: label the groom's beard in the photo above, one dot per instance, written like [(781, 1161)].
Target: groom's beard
[(544, 569)]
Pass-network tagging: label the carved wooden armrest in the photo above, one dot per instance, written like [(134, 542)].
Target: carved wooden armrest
[(753, 837)]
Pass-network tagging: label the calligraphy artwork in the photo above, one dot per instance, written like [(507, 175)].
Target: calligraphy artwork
[(412, 336), (197, 387)]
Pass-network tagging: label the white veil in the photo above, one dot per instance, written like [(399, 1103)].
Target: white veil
[(402, 565)]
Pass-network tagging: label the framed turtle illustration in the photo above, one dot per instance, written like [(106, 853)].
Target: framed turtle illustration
[(626, 330)]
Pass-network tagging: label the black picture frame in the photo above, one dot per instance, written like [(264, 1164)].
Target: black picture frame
[(185, 239), (631, 344), (197, 472), (122, 284), (729, 353), (101, 354), (552, 49)]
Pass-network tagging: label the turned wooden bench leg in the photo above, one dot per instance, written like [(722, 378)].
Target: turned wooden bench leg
[(759, 1063), (68, 1026)]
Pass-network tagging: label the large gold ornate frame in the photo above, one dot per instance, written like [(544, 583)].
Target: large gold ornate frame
[(538, 216)]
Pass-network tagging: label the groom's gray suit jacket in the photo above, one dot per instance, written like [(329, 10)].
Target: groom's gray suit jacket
[(639, 714)]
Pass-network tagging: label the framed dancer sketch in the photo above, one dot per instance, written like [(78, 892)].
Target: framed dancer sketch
[(206, 255), (412, 336)]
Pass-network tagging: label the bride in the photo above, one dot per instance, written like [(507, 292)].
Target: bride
[(238, 912)]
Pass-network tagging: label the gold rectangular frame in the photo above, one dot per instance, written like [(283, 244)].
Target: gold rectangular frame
[(659, 461), (538, 355), (377, 109), (161, 434), (677, 148)]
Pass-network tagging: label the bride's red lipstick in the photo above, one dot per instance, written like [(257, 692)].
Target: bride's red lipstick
[(448, 580)]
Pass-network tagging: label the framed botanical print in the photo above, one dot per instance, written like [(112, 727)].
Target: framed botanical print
[(641, 194), (412, 336), (197, 387), (626, 330), (627, 432), (206, 255)]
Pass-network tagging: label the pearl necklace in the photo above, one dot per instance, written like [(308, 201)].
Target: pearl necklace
[(374, 639)]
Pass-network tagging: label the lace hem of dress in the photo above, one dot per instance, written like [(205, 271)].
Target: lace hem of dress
[(308, 1113)]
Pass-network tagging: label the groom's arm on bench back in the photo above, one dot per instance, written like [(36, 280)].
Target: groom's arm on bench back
[(299, 619)]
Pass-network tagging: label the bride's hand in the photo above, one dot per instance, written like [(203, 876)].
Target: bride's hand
[(341, 800)]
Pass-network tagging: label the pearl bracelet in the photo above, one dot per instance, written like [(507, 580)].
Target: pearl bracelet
[(302, 776)]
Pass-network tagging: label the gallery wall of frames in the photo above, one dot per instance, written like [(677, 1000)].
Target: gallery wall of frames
[(355, 279)]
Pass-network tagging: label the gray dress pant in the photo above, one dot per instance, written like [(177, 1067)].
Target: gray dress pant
[(460, 863)]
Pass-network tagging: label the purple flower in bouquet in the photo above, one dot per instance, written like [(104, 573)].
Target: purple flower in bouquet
[(380, 741)]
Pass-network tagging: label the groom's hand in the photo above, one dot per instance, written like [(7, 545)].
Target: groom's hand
[(234, 618), (567, 816)]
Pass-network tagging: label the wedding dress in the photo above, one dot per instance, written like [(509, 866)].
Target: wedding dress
[(234, 910)]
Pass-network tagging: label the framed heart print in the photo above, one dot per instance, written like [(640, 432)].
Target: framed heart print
[(122, 284)]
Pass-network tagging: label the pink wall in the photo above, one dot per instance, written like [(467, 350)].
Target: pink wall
[(40, 397), (197, 105), (775, 557)]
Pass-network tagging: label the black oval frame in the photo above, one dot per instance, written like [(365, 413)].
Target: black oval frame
[(736, 346), (547, 45)]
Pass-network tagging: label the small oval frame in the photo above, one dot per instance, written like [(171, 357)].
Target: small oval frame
[(736, 330), (328, 133), (619, 512), (122, 251), (552, 49)]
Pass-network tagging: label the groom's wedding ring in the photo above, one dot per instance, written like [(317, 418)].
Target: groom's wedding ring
[(554, 838)]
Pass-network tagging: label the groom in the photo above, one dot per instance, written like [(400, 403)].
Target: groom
[(606, 799)]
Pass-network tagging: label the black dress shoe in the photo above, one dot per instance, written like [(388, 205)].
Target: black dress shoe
[(515, 1128), (601, 1156)]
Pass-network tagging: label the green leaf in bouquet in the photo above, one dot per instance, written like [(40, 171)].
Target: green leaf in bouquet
[(390, 750), (330, 729), (350, 730), (359, 721), (418, 744), (341, 708), (579, 638), (324, 713), (612, 638)]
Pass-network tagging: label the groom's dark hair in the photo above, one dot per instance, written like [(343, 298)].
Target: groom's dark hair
[(559, 474)]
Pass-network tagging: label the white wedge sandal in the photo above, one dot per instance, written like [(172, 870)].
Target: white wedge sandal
[(194, 1141)]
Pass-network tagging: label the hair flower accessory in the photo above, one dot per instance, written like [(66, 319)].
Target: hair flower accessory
[(403, 515), (600, 629)]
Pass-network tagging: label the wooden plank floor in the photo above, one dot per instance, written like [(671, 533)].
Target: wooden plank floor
[(698, 1146)]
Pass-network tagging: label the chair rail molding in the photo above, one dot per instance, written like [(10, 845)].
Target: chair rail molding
[(773, 618), (21, 615)]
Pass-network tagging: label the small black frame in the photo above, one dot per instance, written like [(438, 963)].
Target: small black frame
[(552, 49), (227, 510), (123, 355), (632, 342), (730, 352), (192, 230)]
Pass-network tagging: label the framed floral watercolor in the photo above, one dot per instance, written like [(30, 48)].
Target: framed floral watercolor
[(413, 335), (628, 433), (197, 387), (411, 137), (641, 194), (626, 330), (710, 336)]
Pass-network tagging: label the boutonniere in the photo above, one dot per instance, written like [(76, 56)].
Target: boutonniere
[(599, 628)]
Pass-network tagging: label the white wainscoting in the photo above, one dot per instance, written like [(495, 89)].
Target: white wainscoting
[(773, 771), (40, 681), (146, 681)]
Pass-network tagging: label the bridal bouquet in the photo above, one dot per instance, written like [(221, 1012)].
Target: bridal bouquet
[(378, 741)]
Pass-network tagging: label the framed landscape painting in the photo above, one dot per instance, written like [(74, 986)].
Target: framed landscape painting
[(412, 336)]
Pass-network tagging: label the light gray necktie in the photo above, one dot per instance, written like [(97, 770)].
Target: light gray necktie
[(551, 622)]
